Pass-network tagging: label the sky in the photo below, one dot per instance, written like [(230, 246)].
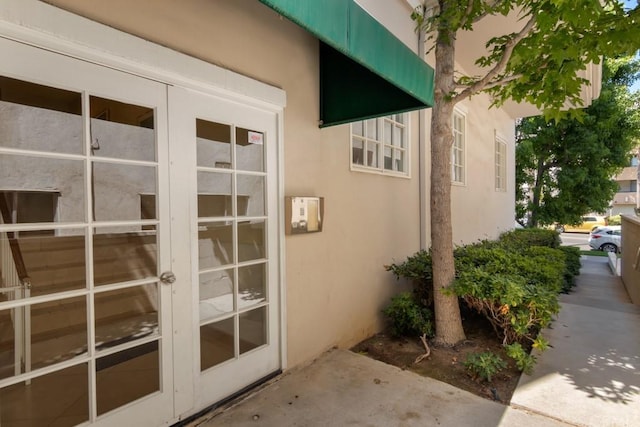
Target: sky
[(631, 4)]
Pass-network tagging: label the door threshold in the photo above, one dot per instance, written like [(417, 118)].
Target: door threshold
[(212, 410)]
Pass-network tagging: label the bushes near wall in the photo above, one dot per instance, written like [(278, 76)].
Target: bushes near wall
[(513, 281)]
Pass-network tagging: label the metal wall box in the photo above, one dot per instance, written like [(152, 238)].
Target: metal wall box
[(303, 214)]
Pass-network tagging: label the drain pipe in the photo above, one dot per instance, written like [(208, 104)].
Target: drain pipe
[(423, 149)]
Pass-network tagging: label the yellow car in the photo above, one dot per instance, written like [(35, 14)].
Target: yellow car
[(589, 223)]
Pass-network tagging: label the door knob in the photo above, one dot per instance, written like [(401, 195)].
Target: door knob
[(167, 277)]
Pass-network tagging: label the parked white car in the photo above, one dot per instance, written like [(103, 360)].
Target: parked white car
[(606, 238)]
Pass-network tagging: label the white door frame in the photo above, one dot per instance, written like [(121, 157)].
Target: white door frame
[(41, 25)]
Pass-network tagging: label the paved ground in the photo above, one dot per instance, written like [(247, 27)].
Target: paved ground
[(591, 377)]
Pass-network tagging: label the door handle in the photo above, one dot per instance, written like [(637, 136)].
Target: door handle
[(168, 277)]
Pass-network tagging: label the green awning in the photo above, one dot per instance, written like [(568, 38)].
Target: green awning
[(365, 71)]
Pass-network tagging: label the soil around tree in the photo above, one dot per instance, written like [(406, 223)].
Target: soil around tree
[(446, 364)]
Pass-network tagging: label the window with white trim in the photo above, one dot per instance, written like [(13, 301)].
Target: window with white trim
[(501, 165), (458, 161), (381, 145)]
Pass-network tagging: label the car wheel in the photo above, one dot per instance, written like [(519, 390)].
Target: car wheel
[(609, 247)]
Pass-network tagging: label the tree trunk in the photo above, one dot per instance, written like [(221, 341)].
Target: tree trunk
[(447, 310), (537, 192)]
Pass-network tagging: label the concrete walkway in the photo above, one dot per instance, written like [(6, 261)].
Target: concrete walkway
[(591, 377)]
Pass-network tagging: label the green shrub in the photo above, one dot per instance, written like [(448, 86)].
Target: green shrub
[(524, 360), (572, 266), (484, 365), (516, 292), (408, 317), (521, 239), (417, 269)]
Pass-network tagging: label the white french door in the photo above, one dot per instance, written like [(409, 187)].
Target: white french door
[(138, 245), (228, 151)]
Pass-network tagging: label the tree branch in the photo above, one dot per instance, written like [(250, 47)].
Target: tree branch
[(495, 83), (500, 66)]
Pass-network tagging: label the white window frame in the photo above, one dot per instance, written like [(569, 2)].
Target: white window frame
[(459, 148), (500, 150), (372, 133)]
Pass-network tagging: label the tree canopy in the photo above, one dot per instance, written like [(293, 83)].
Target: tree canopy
[(564, 168), (540, 63)]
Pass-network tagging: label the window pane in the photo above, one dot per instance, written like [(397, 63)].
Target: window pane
[(357, 128), (127, 376), (251, 285), (59, 398), (397, 136), (117, 189), (216, 294), (40, 174), (216, 343), (251, 240), (58, 332), (214, 194), (399, 157), (125, 315), (388, 132), (251, 198), (372, 154), (213, 144), (121, 254), (123, 131), (253, 329), (53, 263), (215, 244), (372, 129), (250, 150), (42, 118), (388, 160), (357, 150)]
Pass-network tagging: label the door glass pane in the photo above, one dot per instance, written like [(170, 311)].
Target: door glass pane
[(126, 376), (41, 335), (214, 194), (251, 240), (52, 263), (124, 253), (253, 329), (125, 315), (123, 131), (216, 343), (57, 399), (215, 244), (41, 118), (213, 144), (252, 288), (249, 150), (250, 195), (216, 294), (22, 174), (117, 189)]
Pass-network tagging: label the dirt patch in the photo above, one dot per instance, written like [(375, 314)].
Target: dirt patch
[(447, 364)]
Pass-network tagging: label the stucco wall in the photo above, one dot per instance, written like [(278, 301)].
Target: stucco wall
[(630, 263), (478, 210), (335, 281)]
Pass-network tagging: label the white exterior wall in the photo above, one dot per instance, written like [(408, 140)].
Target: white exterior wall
[(335, 281)]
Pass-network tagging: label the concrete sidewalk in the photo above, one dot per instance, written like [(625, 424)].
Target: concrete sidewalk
[(590, 377)]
